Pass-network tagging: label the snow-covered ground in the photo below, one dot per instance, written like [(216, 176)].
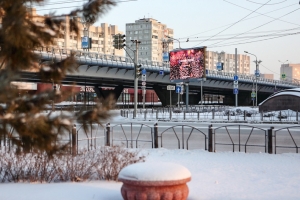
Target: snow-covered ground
[(222, 175)]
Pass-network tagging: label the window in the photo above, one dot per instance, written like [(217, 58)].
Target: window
[(136, 32)]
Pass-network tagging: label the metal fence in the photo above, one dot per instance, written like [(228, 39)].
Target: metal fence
[(235, 138), (213, 113)]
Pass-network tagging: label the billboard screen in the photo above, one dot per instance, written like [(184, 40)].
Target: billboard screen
[(187, 64)]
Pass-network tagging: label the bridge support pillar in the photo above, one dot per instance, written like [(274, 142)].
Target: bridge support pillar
[(105, 93), (164, 95)]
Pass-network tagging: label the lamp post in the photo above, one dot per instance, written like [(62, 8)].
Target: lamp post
[(256, 74), (174, 39), (136, 76)]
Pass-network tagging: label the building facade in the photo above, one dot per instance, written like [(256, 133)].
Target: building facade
[(267, 76), (243, 62), (290, 72), (102, 36), (152, 35)]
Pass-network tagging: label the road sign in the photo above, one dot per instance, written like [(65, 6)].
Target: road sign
[(144, 72), (144, 77), (161, 72), (143, 87), (253, 99), (235, 86), (253, 94), (235, 78), (143, 83), (283, 76), (235, 82), (171, 87), (235, 91), (257, 73), (219, 66), (178, 89)]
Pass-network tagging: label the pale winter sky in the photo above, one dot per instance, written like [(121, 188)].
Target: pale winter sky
[(221, 25)]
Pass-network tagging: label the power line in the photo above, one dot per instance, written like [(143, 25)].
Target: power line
[(275, 34), (79, 6), (269, 69), (245, 38), (258, 26), (61, 2), (259, 13), (268, 3), (234, 23), (271, 31), (243, 20), (254, 41)]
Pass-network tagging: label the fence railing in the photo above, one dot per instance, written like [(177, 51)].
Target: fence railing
[(52, 52), (233, 137), (241, 138), (213, 113)]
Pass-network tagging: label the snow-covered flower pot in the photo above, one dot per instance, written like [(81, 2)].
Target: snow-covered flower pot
[(154, 181)]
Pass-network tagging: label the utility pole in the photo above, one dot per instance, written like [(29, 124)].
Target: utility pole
[(136, 75), (257, 74), (236, 95)]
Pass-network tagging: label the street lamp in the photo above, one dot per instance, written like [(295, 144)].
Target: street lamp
[(174, 39), (256, 74)]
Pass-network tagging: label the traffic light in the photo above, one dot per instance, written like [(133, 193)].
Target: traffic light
[(138, 71), (122, 41), (116, 41)]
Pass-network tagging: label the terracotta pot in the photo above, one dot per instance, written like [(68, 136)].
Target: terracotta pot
[(155, 190), (155, 181)]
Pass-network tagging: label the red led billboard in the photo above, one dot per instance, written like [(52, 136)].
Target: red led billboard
[(187, 64)]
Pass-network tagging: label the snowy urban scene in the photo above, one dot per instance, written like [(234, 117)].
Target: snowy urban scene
[(149, 100)]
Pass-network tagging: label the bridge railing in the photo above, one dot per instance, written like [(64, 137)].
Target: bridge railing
[(85, 56)]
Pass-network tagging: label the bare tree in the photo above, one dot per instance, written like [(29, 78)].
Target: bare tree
[(19, 36)]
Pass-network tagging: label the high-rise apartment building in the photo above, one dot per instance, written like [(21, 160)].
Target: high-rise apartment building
[(291, 72), (243, 62), (152, 34), (102, 36)]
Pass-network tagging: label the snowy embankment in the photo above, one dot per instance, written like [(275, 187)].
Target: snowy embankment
[(221, 175)]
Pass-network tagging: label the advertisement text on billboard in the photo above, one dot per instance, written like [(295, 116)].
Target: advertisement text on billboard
[(187, 64)]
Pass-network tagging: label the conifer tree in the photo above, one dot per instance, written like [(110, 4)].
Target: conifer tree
[(21, 115)]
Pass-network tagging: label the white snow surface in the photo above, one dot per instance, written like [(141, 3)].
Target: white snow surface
[(155, 171), (220, 175)]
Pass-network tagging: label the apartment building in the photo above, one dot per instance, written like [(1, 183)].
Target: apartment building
[(267, 76), (291, 71), (102, 36), (152, 34), (243, 62)]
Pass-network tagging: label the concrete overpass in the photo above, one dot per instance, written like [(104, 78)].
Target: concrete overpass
[(100, 70)]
